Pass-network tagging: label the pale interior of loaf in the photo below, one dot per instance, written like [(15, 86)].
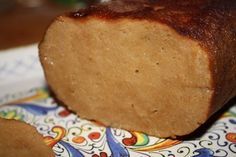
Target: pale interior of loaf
[(133, 74)]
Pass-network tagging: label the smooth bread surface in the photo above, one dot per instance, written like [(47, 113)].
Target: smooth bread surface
[(18, 139), (142, 72)]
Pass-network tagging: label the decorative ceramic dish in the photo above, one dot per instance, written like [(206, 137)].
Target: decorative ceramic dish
[(24, 96)]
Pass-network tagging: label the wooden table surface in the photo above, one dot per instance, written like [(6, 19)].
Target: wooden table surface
[(21, 25)]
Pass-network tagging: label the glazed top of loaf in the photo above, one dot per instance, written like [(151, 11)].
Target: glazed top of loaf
[(189, 18), (212, 23)]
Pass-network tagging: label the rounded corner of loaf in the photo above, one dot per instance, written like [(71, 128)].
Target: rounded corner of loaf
[(153, 69)]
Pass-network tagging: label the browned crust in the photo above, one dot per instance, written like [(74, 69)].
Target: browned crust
[(212, 23)]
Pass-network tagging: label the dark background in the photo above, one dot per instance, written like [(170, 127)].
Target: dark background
[(24, 22)]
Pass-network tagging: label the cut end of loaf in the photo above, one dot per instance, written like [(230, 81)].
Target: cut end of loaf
[(22, 140), (132, 74)]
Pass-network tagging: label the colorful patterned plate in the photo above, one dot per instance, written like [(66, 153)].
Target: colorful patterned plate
[(24, 97)]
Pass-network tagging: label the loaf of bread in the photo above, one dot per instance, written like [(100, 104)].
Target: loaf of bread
[(161, 67), (21, 140)]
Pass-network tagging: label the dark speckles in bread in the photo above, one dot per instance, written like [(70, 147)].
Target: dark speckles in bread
[(109, 55), (210, 22)]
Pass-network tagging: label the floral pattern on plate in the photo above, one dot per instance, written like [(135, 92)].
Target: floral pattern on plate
[(70, 136)]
